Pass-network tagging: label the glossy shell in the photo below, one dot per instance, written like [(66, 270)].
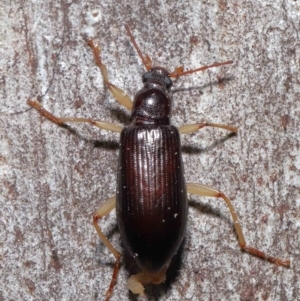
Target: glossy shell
[(151, 194)]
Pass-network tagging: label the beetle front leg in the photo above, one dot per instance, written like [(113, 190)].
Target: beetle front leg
[(204, 190), (62, 120), (194, 127), (120, 95), (103, 210)]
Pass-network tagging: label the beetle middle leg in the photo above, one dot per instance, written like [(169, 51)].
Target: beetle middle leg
[(204, 190), (62, 120), (103, 210), (194, 127)]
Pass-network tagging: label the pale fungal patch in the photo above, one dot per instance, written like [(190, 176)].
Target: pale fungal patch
[(92, 17)]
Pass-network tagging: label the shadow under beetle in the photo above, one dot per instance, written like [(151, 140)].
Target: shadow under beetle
[(151, 199)]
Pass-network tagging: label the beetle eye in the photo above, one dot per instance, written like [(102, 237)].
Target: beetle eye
[(146, 76), (168, 82)]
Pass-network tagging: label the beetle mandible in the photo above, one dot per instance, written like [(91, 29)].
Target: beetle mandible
[(151, 199)]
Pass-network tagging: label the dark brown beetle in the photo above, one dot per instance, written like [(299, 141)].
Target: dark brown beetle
[(151, 200)]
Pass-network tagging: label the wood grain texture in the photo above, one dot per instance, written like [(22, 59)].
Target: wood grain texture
[(52, 180)]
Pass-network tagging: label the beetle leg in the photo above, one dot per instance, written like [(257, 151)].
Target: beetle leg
[(120, 95), (194, 127), (103, 210), (60, 121), (204, 190)]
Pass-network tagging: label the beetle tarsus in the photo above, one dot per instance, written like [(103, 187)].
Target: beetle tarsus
[(114, 278), (262, 255)]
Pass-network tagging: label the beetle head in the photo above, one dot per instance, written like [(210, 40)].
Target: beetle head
[(159, 76)]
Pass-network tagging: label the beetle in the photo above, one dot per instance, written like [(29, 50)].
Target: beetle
[(151, 198)]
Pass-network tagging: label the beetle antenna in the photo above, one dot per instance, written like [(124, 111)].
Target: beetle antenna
[(146, 60), (179, 71)]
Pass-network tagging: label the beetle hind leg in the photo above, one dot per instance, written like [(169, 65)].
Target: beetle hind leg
[(103, 210), (204, 190)]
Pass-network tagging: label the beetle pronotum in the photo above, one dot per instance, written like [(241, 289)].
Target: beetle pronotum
[(151, 199)]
